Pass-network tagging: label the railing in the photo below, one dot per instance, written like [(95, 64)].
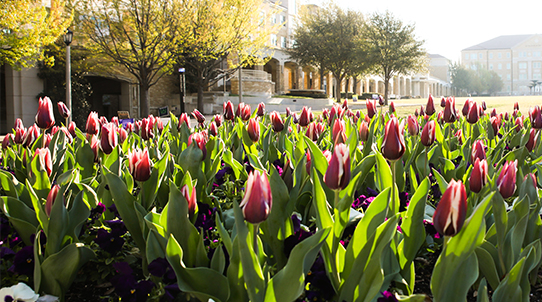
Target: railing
[(251, 74)]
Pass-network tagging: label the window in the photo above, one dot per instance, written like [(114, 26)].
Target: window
[(466, 56), (537, 64), (522, 65), (283, 42), (536, 76), (521, 54), (473, 67), (536, 54), (274, 19), (490, 66), (508, 77), (499, 55), (499, 67), (490, 55), (262, 18), (283, 20), (508, 66), (523, 76), (273, 40), (480, 56), (508, 55), (473, 56)]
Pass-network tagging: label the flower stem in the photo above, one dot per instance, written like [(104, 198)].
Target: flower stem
[(392, 166)]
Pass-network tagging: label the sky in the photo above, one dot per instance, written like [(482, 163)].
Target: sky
[(447, 27)]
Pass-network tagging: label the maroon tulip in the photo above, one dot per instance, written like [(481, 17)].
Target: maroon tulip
[(261, 110), (304, 117), (364, 131), (413, 126), (47, 137), (416, 113), (31, 135), (466, 107), (474, 113), (533, 138), (288, 112), (530, 177), (115, 120), (459, 135), (345, 104), (200, 138), (381, 100), (243, 111), (519, 124), (63, 110), (213, 129), (108, 138), (198, 116), (123, 134), (451, 211), (94, 146), (478, 176), (45, 117), (312, 132), (19, 135), (428, 133), (478, 151), (371, 107), (18, 124), (492, 113), (93, 123), (449, 110), (146, 128), (276, 121), (443, 102), (191, 198), (7, 140), (258, 200), (392, 107), (536, 118), (484, 106), (506, 182), (140, 164), (422, 110), (51, 199), (253, 130), (228, 111), (45, 162), (218, 120), (495, 124), (337, 174), (516, 106), (67, 133), (393, 146), (338, 131), (430, 108), (184, 119)]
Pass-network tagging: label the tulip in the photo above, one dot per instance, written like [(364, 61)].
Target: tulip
[(139, 164), (459, 135), (474, 114), (493, 112), (47, 137), (345, 104), (312, 132), (506, 182), (184, 119), (7, 140), (338, 131), (228, 111), (392, 107), (412, 125), (243, 111), (218, 120), (478, 177), (67, 134), (51, 199), (18, 124), (515, 113), (381, 100), (123, 134), (451, 211), (213, 129), (337, 174), (108, 138), (449, 111), (261, 110), (519, 124), (364, 131), (45, 117), (440, 116), (63, 110), (478, 151), (532, 178), (428, 134), (533, 138), (93, 123), (115, 120), (422, 110), (159, 124), (288, 112), (19, 135), (516, 106), (201, 141), (443, 102), (416, 113), (146, 128), (257, 202), (484, 106), (393, 146), (253, 130), (31, 135), (371, 108), (466, 107), (198, 116), (304, 117), (191, 198), (94, 146), (430, 108), (495, 124), (536, 118), (45, 162), (276, 121), (71, 129)]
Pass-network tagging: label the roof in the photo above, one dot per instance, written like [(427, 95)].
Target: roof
[(501, 42)]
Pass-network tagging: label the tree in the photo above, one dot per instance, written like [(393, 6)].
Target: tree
[(143, 36), (219, 31), (26, 26), (393, 47), (477, 80)]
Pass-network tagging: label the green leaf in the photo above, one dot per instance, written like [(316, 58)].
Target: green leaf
[(318, 160), (22, 217), (487, 266), (509, 289)]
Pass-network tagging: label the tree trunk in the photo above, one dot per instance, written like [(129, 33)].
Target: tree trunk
[(338, 89), (144, 100), (386, 88), (200, 90), (321, 78), (355, 88)]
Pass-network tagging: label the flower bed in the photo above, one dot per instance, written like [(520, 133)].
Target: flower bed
[(254, 206)]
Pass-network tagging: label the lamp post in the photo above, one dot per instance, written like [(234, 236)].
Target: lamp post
[(68, 37), (182, 88)]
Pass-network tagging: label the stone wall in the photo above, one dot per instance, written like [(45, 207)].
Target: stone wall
[(253, 87)]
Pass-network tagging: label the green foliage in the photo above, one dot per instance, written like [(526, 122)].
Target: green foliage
[(476, 80)]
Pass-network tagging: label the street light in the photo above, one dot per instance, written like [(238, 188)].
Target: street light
[(68, 37), (182, 88)]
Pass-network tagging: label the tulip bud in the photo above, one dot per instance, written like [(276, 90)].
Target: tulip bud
[(422, 110), (71, 129), (123, 134), (492, 114), (7, 140), (243, 111), (338, 130), (140, 164), (288, 112), (345, 104), (474, 113), (51, 199), (304, 117), (533, 138), (443, 102), (45, 117), (478, 177), (484, 106), (312, 132), (428, 134), (257, 202), (536, 118), (364, 131), (228, 111), (392, 107), (93, 123), (506, 182), (218, 120), (261, 110), (213, 129), (276, 121), (459, 135), (430, 108), (393, 146), (381, 100), (516, 106), (371, 108), (451, 211), (18, 124), (19, 135), (115, 120), (44, 156), (95, 146), (253, 130), (191, 198), (495, 124), (201, 141), (198, 116), (47, 137), (518, 124), (413, 126), (184, 119), (478, 151), (466, 107), (63, 110), (108, 138), (337, 174), (31, 135), (449, 110)]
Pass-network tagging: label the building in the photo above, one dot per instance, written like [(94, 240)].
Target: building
[(517, 59)]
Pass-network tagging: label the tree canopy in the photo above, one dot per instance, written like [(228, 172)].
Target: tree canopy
[(393, 47), (26, 26), (478, 80)]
